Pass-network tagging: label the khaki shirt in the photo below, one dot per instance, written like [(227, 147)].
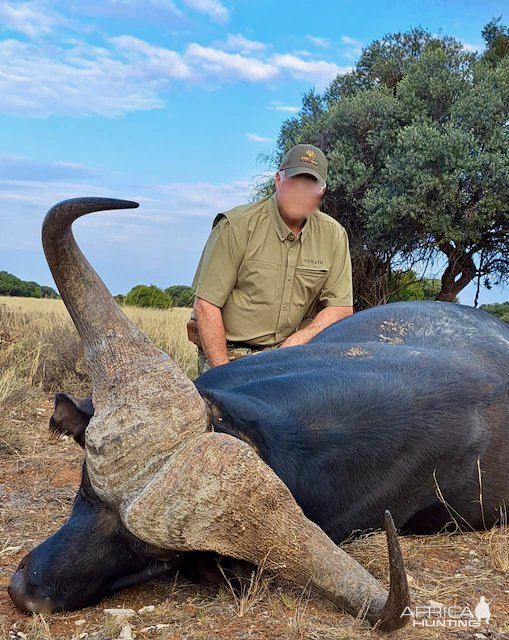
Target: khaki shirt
[(265, 279)]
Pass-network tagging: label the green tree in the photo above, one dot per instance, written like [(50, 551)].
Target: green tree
[(49, 292), (144, 295), (417, 140), (496, 37), (407, 285), (10, 285), (181, 295), (499, 309)]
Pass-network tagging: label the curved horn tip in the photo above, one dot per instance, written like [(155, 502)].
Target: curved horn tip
[(66, 211), (389, 522), (99, 202), (392, 617)]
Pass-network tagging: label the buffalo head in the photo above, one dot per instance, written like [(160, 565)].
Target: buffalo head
[(92, 555)]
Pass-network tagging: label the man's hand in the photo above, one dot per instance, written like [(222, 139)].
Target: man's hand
[(323, 319), (211, 330)]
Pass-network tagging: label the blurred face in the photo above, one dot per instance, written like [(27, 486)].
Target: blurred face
[(297, 196)]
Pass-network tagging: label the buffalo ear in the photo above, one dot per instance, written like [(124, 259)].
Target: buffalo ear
[(71, 416)]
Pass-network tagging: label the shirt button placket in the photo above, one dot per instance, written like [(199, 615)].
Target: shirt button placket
[(287, 289)]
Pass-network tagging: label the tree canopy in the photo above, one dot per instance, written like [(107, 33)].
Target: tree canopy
[(143, 295), (417, 138), (499, 309), (11, 285), (181, 295)]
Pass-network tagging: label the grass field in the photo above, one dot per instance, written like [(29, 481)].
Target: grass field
[(40, 353)]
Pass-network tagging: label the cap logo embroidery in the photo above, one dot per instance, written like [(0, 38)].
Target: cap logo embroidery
[(309, 157)]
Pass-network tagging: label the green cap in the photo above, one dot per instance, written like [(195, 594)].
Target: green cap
[(305, 158)]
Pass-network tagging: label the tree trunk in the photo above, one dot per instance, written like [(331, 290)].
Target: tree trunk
[(460, 263)]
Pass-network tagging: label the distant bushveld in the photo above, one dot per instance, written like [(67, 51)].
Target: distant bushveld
[(179, 295), (12, 286), (499, 309), (403, 285), (142, 295)]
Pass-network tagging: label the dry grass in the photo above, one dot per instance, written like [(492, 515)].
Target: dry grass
[(39, 628), (40, 352), (498, 547), (248, 592)]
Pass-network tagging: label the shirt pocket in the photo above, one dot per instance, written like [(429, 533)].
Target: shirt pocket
[(259, 280), (307, 285)]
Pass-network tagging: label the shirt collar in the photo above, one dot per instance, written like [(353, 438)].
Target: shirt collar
[(282, 229)]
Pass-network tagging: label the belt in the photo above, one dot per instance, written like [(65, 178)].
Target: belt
[(244, 345)]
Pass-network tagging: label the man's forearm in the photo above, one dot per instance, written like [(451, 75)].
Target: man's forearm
[(212, 333), (322, 320)]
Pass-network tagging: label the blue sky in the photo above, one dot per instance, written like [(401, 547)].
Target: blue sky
[(169, 103)]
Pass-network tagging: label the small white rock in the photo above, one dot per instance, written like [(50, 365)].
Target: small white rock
[(162, 626), (82, 621), (120, 612), (147, 609), (126, 633), (435, 604)]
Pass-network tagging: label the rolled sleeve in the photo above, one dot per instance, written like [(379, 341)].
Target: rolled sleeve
[(337, 290), (217, 269)]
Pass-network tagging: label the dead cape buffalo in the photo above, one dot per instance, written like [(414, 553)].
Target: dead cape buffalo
[(278, 455)]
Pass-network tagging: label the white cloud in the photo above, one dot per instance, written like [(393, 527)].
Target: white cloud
[(164, 5), (129, 74), (320, 72), (32, 19), (284, 107), (121, 74), (354, 47), (43, 80), (151, 60), (230, 66), (471, 47), (237, 42), (162, 13), (302, 53), (213, 8), (277, 105), (319, 42), (17, 167), (159, 203), (200, 198), (254, 137)]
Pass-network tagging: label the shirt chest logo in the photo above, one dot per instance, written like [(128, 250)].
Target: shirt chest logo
[(313, 261)]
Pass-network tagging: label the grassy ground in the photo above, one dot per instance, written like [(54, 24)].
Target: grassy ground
[(40, 354)]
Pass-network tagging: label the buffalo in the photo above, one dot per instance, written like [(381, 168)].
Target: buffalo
[(398, 414)]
